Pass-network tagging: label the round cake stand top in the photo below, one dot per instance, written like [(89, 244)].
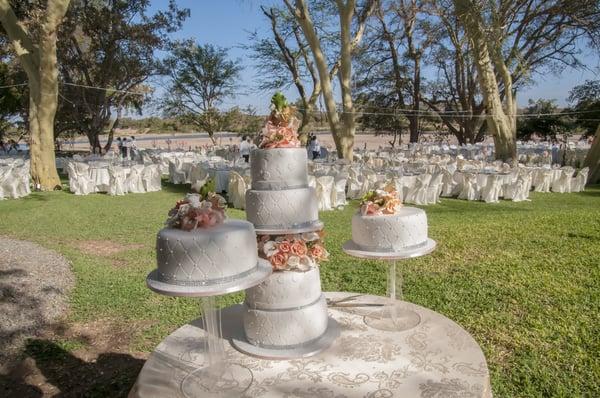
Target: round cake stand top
[(262, 272), (438, 358), (354, 250), (312, 227)]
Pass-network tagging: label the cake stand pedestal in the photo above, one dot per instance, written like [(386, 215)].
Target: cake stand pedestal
[(393, 316), (437, 358)]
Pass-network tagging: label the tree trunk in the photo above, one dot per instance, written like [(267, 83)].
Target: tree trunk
[(499, 123), (348, 127), (592, 160), (40, 64)]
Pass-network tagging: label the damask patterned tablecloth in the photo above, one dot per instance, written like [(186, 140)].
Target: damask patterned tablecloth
[(435, 359)]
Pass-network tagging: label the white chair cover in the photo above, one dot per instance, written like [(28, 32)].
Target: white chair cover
[(544, 180), (520, 190), (134, 182), (80, 182), (176, 175), (579, 181), (491, 191), (324, 189), (469, 189), (338, 193), (448, 184), (434, 189), (418, 194), (151, 178), (563, 183), (236, 190), (117, 181)]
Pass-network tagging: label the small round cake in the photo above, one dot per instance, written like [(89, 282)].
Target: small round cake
[(390, 232), (206, 256), (201, 253)]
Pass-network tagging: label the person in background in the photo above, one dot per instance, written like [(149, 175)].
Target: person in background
[(125, 150), (132, 148), (315, 147), (245, 147), (120, 146)]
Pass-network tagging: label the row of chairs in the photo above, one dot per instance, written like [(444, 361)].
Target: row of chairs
[(137, 179)]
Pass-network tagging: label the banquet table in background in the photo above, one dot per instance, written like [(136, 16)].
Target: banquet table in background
[(437, 358)]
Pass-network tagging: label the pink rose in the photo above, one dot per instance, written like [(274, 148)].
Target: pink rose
[(370, 209), (284, 246), (318, 252), (188, 223), (299, 248), (278, 261)]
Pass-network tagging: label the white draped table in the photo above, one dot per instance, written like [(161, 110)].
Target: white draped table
[(437, 358)]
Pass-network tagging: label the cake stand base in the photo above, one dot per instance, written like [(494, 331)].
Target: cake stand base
[(303, 351), (393, 318), (233, 379)]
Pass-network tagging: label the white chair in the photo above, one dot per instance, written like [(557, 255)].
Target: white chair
[(491, 191), (434, 189), (418, 194), (544, 180), (134, 182), (312, 181), (236, 190), (9, 184), (563, 183), (469, 189), (80, 182), (176, 175), (324, 189), (448, 183), (579, 181), (338, 193), (117, 181), (519, 191), (151, 178)]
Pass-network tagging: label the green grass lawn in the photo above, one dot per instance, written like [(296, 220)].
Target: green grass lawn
[(522, 278)]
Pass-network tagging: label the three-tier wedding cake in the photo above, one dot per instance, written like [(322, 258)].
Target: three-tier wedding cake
[(288, 310)]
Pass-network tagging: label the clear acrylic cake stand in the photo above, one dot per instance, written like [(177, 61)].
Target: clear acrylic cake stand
[(392, 316)]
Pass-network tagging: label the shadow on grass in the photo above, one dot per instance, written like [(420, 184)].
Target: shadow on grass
[(590, 190), (109, 375), (176, 188)]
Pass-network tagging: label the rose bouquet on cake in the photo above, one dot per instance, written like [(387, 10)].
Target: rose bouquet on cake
[(380, 202), (298, 252), (197, 212), (281, 128)]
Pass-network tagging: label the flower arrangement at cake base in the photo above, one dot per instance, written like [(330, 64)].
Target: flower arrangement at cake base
[(288, 310), (298, 252)]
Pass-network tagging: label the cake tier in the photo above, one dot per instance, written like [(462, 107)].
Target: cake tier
[(286, 328), (399, 231), (206, 255), (279, 168), (285, 289), (286, 209)]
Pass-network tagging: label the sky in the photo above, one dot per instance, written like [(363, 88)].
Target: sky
[(226, 23)]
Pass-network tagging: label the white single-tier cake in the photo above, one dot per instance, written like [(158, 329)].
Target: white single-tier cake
[(206, 256), (285, 311), (404, 230), (283, 209), (279, 168)]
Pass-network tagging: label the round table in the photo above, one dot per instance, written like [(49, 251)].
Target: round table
[(435, 359)]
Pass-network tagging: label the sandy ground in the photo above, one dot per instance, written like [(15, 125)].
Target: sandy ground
[(193, 140)]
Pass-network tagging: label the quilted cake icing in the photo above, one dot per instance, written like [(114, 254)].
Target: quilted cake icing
[(206, 255), (407, 228)]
